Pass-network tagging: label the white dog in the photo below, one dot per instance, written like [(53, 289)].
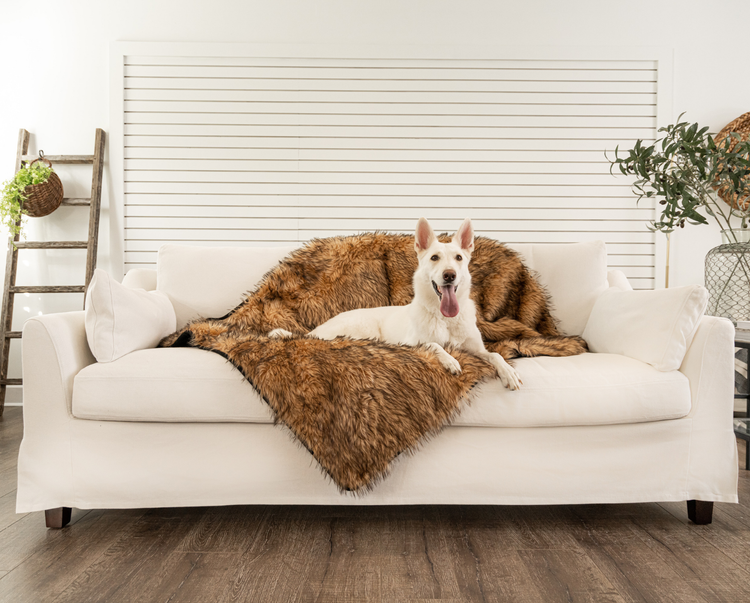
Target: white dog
[(441, 312)]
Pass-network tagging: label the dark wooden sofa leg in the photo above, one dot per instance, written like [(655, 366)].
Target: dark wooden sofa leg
[(57, 518), (700, 512)]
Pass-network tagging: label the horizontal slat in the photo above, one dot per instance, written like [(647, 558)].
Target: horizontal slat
[(52, 245), (386, 224), (561, 213), (49, 289), (593, 63), (347, 72), (226, 166), (152, 244), (11, 381), (638, 272), (13, 334), (74, 159), (424, 143), (373, 178), (619, 261), (554, 199), (303, 98), (252, 234), (396, 156), (210, 223), (620, 117), (640, 92), (403, 190), (609, 127), (607, 136), (190, 235), (76, 201)]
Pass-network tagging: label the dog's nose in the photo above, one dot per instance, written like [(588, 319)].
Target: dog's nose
[(449, 276)]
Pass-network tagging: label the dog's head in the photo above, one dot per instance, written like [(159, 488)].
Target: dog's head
[(444, 267)]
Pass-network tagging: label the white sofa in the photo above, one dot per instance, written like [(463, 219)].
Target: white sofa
[(181, 427)]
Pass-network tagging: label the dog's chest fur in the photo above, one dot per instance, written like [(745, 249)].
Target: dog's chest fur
[(430, 325)]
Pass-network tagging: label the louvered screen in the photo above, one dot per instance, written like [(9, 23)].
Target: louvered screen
[(253, 150)]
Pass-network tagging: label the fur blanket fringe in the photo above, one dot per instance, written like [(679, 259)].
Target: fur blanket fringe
[(357, 404)]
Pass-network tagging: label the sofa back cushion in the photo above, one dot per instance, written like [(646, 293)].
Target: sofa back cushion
[(210, 281), (574, 274)]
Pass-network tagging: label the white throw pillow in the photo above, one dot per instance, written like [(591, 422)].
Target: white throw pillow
[(656, 327), (208, 282), (120, 320)]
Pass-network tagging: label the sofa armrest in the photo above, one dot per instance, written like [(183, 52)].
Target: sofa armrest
[(709, 367), (55, 349)]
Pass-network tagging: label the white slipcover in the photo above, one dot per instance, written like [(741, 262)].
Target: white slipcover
[(66, 460)]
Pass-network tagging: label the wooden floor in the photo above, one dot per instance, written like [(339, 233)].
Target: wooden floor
[(597, 553)]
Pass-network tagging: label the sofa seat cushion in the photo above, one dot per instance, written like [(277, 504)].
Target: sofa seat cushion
[(191, 385), (167, 385)]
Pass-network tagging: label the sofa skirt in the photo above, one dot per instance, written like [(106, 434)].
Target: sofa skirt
[(106, 464)]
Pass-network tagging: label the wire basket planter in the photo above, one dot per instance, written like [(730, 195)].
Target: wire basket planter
[(727, 271)]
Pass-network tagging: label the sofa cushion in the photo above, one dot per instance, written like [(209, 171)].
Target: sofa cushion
[(210, 281), (574, 274), (191, 385), (655, 327)]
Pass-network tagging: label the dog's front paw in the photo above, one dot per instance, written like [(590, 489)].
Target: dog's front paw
[(508, 375), (450, 363), (280, 334), (444, 358)]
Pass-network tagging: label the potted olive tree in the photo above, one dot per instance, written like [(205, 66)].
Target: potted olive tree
[(695, 176)]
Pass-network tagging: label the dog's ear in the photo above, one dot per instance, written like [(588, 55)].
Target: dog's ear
[(464, 236), (424, 236)]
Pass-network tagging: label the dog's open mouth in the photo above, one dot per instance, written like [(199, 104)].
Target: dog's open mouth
[(448, 300)]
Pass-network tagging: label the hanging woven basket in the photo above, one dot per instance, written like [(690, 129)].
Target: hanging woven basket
[(43, 198), (741, 125)]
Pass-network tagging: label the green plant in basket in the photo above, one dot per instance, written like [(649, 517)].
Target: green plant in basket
[(14, 194), (687, 171)]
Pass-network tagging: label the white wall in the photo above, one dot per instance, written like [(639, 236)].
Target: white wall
[(55, 81)]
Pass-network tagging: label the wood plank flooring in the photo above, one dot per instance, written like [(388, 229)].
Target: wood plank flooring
[(597, 553)]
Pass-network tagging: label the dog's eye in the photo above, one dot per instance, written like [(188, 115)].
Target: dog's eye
[(435, 258), (459, 258)]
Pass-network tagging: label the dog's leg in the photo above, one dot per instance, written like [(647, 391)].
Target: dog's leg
[(280, 334), (444, 357), (508, 375)]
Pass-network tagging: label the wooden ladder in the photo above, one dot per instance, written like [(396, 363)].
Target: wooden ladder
[(11, 265)]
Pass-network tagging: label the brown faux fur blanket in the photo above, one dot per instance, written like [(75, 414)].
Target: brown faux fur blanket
[(357, 404)]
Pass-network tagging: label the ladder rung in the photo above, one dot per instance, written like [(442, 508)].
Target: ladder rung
[(53, 245), (11, 381), (13, 334), (49, 289), (62, 158), (74, 201)]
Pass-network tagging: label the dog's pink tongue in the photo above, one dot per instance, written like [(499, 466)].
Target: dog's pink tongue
[(448, 303)]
